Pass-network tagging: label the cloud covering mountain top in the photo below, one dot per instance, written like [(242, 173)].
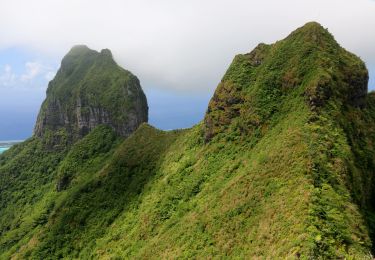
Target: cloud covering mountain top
[(183, 45)]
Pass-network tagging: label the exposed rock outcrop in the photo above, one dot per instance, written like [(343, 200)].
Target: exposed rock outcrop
[(90, 89)]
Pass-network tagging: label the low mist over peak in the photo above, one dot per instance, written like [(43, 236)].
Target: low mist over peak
[(178, 50), (179, 45)]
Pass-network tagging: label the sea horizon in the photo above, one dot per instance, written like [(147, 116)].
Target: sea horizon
[(11, 141)]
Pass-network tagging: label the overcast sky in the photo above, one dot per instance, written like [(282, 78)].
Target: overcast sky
[(178, 48)]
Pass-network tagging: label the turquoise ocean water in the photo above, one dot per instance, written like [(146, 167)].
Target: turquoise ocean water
[(2, 149), (5, 145)]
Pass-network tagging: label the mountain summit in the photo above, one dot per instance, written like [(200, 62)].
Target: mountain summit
[(308, 62), (88, 90), (282, 166)]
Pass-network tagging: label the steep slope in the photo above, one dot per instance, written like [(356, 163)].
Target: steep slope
[(91, 89), (281, 167), (29, 175)]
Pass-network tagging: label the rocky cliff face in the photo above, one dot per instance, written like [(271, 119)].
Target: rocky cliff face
[(90, 89)]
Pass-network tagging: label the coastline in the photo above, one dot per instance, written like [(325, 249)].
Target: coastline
[(5, 145)]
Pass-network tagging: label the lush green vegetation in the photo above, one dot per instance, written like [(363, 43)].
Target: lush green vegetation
[(91, 89), (281, 167)]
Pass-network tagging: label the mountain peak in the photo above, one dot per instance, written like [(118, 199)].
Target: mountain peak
[(313, 33), (83, 49), (91, 89), (309, 61), (311, 28), (80, 49), (106, 52), (312, 25)]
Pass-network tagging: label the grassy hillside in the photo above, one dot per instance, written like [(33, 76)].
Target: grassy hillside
[(29, 175), (281, 167)]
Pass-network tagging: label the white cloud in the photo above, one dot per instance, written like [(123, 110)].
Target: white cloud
[(35, 74), (179, 44), (7, 77), (33, 69)]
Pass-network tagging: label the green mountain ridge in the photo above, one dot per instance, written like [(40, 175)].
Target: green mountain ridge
[(281, 166)]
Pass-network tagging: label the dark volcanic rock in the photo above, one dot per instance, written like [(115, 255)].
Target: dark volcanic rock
[(90, 89)]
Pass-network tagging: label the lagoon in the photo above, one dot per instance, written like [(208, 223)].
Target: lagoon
[(3, 149), (5, 145)]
